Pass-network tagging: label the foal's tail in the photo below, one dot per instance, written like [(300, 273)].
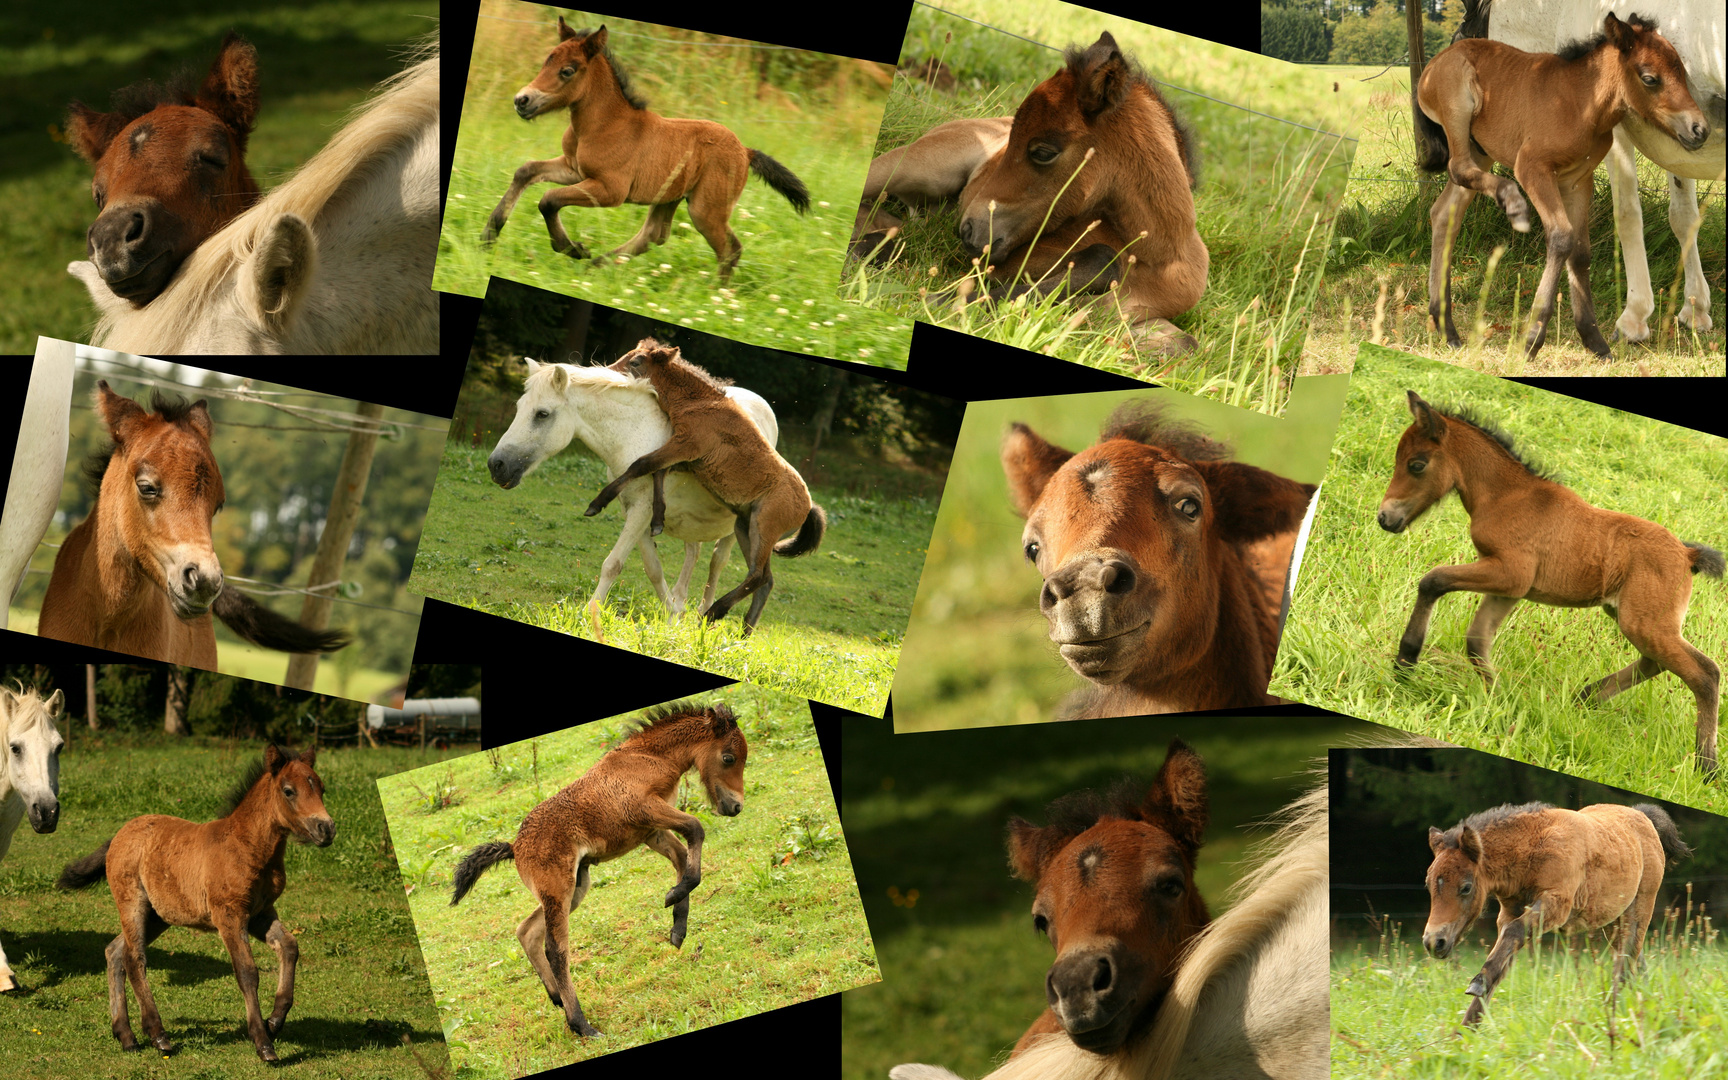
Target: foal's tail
[(1432, 150), (1706, 560), (477, 862), (261, 626), (781, 179), (1672, 847), (87, 871), (809, 535)]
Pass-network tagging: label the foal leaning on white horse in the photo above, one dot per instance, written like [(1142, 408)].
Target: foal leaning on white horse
[(30, 774), (618, 418)]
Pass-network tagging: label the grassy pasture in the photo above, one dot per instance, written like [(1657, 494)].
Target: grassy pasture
[(831, 630), (360, 987), (1376, 285), (977, 650), (783, 291), (1358, 586), (316, 61), (1396, 1012), (963, 969), (1267, 193), (775, 921)]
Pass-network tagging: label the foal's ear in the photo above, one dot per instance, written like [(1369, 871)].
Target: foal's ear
[(1432, 423), (1436, 839), (1030, 462), (1470, 843), (90, 131), (1249, 503), (1101, 77), (121, 414), (564, 31), (1618, 33), (230, 90), (594, 44), (1177, 798), (199, 417), (309, 757), (722, 719), (1028, 848), (273, 759)]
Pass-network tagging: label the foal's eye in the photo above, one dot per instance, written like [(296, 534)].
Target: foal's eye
[(1032, 550), (728, 760), (148, 490), (1189, 508), (567, 72), (1464, 889), (1416, 466), (1040, 924), (1043, 155), (288, 792), (1651, 80)]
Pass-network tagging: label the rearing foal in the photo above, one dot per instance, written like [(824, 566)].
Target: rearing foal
[(223, 876), (1163, 562), (1114, 877), (727, 454), (616, 150), (1551, 869), (622, 803), (170, 169), (1538, 540), (1551, 119), (140, 574)]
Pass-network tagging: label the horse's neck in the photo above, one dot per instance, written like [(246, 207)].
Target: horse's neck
[(1608, 104), (1491, 475), (604, 105), (262, 837), (620, 425)]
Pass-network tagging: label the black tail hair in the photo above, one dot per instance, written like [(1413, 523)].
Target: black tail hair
[(1706, 560), (1432, 149), (1666, 831), (477, 862), (261, 626), (809, 535), (86, 871), (781, 179)]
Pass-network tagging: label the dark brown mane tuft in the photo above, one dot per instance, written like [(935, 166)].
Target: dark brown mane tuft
[(1505, 441), (237, 793), (1149, 422), (619, 75), (1482, 819)]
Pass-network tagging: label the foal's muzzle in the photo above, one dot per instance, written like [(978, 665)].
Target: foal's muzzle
[(319, 831), (529, 103), (1438, 943), (1392, 518), (134, 247), (1090, 994)]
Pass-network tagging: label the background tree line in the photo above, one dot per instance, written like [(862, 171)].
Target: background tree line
[(1352, 31)]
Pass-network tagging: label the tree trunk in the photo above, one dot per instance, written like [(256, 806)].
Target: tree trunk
[(90, 694), (1413, 27), (179, 692), (338, 531), (824, 419)]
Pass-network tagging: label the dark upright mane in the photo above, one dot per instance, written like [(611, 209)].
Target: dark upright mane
[(1482, 819), (1578, 50), (1149, 423), (1501, 439), (170, 407), (237, 794), (619, 75), (664, 714)]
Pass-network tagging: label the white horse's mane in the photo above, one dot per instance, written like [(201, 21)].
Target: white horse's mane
[(404, 104), (30, 718), (598, 376)]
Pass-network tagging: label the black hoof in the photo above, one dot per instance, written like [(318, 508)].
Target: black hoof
[(593, 508), (275, 1026), (585, 1029), (556, 999), (161, 1043)]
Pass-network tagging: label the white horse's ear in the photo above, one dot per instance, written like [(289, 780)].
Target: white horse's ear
[(559, 379), (54, 703), (533, 365), (100, 294), (279, 274)]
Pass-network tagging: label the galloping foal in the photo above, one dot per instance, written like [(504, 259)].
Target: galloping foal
[(140, 574), (1538, 540), (223, 876), (1551, 119), (616, 150), (1551, 869), (170, 169), (622, 803), (728, 455)]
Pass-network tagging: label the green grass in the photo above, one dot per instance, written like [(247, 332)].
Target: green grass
[(978, 651), (1265, 202), (963, 970), (775, 921), (360, 987), (1397, 1013), (1376, 285), (783, 293), (831, 630), (316, 61), (1359, 583)]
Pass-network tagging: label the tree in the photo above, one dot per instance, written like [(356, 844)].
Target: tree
[(1290, 33)]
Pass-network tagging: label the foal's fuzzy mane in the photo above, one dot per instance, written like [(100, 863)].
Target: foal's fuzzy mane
[(237, 793), (402, 107), (1150, 422), (666, 715), (1497, 815), (170, 407), (1464, 414), (619, 75), (1077, 57), (1578, 50)]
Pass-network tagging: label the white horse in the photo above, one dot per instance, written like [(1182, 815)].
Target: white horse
[(336, 259), (619, 419), (1251, 996), (30, 775), (1694, 28)]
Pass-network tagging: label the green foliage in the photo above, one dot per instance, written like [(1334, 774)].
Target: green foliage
[(1379, 38), (1290, 33)]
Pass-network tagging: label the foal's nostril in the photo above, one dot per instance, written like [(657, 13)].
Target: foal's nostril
[(135, 230), (1103, 977), (1116, 578)]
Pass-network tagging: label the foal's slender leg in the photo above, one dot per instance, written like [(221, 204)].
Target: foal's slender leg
[(1544, 190), (757, 550), (120, 972), (1479, 641), (716, 563), (531, 932), (1576, 201), (557, 934), (1447, 217), (1496, 577), (660, 814), (266, 927), (657, 523), (556, 171), (1651, 618), (590, 191), (711, 205), (653, 231), (1548, 909), (231, 928), (674, 451), (666, 844)]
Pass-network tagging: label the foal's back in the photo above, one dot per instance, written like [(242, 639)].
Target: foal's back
[(591, 814), (186, 866)]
